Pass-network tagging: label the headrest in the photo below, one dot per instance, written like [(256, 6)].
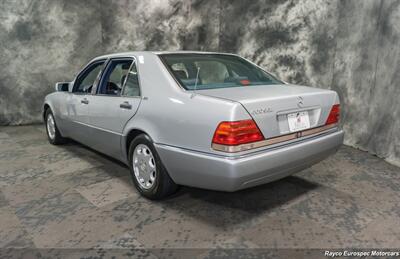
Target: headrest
[(180, 74)]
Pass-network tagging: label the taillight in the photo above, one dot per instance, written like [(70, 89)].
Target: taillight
[(334, 115), (232, 133)]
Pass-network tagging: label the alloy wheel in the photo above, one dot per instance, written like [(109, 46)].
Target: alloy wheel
[(144, 166)]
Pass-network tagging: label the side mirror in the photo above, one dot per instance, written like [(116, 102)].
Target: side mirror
[(62, 86)]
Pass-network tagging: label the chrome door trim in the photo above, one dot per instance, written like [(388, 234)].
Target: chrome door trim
[(95, 127)]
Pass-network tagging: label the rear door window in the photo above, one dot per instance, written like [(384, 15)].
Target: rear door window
[(115, 76), (131, 87)]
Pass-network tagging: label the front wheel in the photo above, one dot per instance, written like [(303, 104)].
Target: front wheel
[(148, 173), (53, 134)]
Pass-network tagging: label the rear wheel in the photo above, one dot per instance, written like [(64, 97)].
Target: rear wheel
[(53, 134), (148, 173)]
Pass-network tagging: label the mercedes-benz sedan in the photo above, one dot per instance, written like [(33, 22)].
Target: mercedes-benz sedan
[(209, 120)]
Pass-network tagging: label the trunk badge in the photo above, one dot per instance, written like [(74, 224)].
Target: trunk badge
[(261, 111), (300, 101)]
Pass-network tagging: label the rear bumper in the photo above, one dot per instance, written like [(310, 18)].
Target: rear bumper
[(234, 173)]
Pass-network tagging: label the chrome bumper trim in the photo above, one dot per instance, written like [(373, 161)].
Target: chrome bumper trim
[(272, 141)]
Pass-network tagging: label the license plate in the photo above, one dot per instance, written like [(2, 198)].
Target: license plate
[(298, 121)]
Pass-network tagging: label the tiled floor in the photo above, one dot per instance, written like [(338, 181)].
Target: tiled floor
[(72, 199)]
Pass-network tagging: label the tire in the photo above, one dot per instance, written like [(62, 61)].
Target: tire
[(53, 134), (143, 158)]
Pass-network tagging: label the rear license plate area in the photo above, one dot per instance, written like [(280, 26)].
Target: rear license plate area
[(298, 121)]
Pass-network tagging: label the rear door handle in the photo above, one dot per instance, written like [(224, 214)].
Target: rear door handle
[(85, 101), (125, 105)]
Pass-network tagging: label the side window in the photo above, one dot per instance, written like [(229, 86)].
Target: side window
[(131, 87), (115, 77), (85, 81)]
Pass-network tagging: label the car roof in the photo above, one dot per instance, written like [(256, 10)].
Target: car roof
[(138, 53)]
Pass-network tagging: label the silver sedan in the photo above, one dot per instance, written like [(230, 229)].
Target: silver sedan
[(209, 120)]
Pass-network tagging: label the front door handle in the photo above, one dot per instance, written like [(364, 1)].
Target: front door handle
[(125, 105), (85, 101)]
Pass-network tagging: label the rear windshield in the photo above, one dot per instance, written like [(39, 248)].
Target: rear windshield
[(210, 71)]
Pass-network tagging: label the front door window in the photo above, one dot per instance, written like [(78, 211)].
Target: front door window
[(84, 82)]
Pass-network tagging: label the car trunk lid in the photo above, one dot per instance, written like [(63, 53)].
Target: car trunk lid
[(271, 105)]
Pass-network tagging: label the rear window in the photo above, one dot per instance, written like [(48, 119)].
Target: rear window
[(209, 71)]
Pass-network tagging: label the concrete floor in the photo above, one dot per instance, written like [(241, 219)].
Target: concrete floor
[(71, 197)]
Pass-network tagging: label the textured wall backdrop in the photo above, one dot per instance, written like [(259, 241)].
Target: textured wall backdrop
[(351, 46)]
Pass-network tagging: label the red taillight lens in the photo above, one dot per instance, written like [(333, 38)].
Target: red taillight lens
[(334, 115), (232, 133)]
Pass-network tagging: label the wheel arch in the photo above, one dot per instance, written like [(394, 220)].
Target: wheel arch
[(46, 106), (131, 135)]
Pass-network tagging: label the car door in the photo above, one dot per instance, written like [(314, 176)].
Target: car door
[(116, 101), (78, 101)]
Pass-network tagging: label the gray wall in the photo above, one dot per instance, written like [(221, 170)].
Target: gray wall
[(351, 46)]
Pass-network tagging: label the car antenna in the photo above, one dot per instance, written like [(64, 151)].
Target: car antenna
[(195, 83)]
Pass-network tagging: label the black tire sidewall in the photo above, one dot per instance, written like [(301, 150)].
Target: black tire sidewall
[(58, 139), (48, 113)]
